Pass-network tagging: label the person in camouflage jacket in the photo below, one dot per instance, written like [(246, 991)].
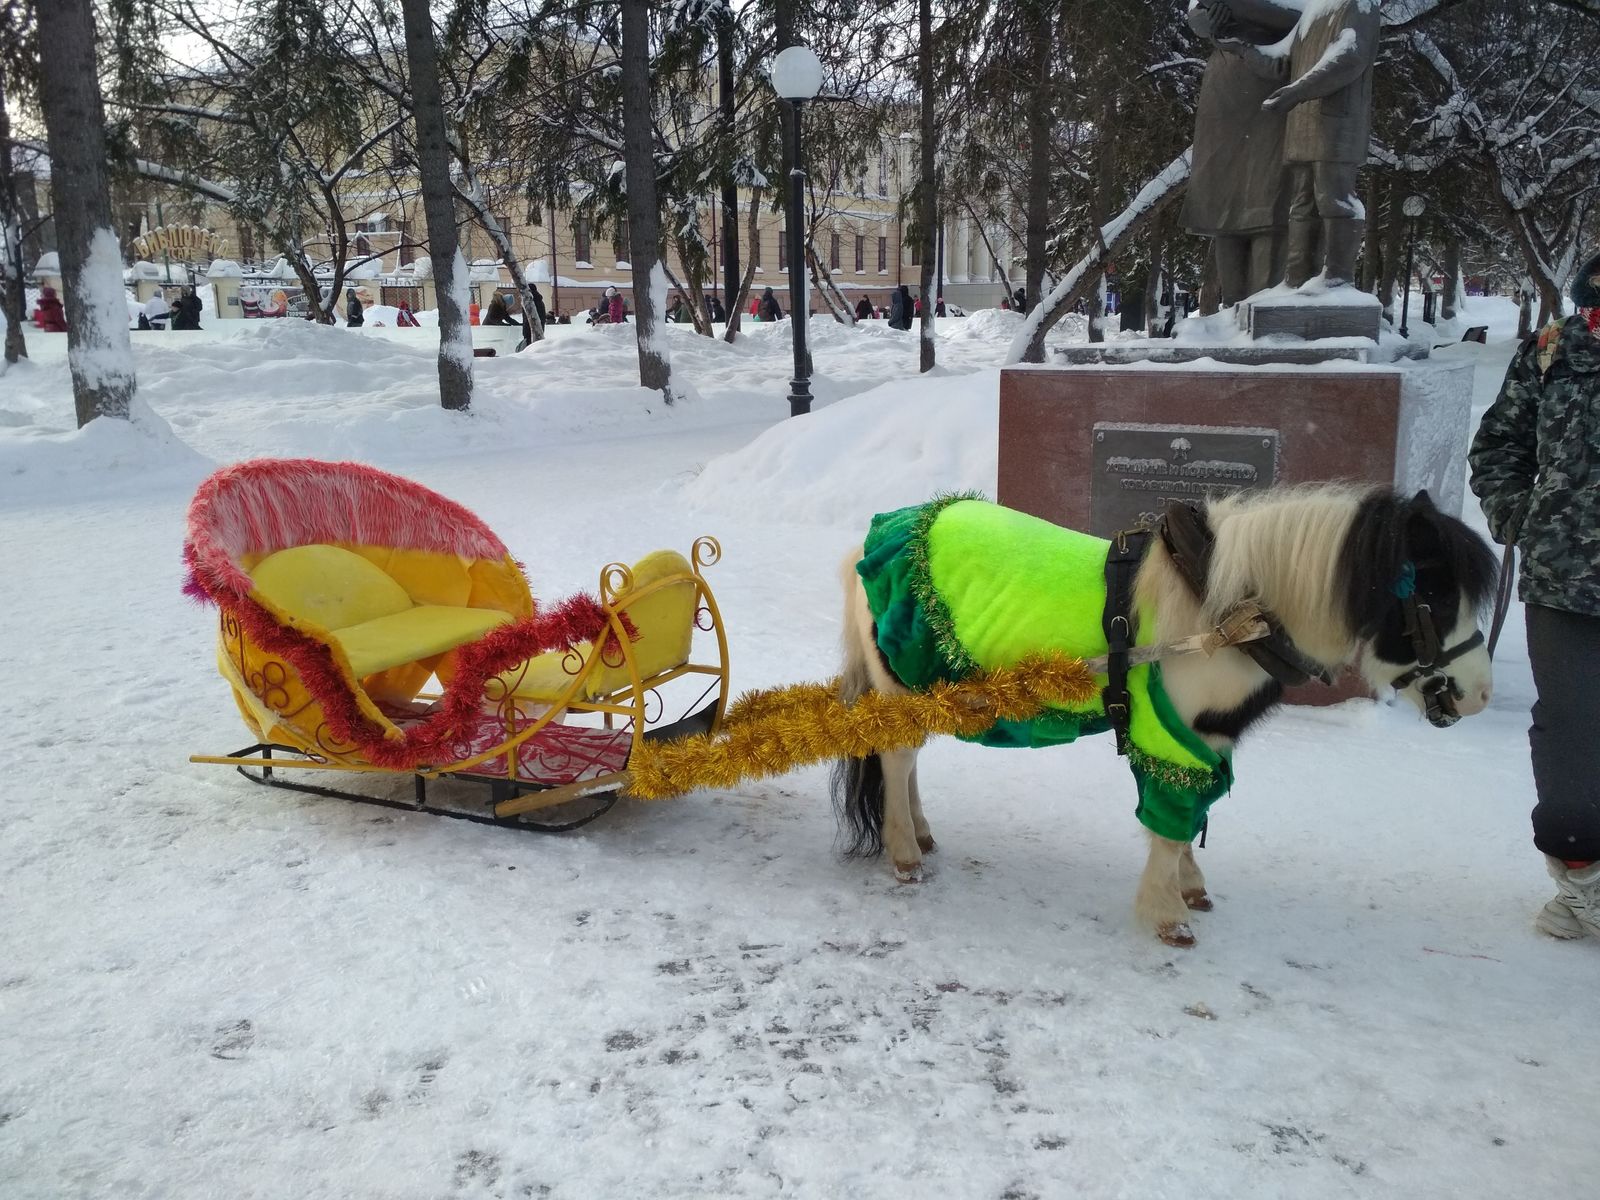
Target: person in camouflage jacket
[(1536, 470)]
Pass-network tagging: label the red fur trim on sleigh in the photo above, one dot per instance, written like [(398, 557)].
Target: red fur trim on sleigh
[(269, 504), (575, 620)]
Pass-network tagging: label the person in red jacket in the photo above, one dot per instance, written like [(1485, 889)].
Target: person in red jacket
[(405, 318), (48, 314)]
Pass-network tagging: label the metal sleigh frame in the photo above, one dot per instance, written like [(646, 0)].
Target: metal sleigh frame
[(511, 795)]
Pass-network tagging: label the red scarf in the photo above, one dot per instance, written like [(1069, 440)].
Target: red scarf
[(1592, 315)]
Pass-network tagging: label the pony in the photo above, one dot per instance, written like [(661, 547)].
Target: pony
[(1354, 577)]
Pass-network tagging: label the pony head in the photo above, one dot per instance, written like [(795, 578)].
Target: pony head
[(1415, 583)]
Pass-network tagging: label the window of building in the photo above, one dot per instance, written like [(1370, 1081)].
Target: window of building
[(408, 252), (755, 251), (883, 170), (580, 240), (833, 253), (783, 249), (916, 253), (883, 256), (861, 254), (619, 244)]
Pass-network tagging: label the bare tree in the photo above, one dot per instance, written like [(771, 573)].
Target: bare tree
[(433, 163), (98, 349), (644, 214)]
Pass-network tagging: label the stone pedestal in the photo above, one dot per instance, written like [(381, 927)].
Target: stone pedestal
[(1100, 447), (1345, 313)]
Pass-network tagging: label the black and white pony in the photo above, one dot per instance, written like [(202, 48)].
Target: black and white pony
[(1325, 561)]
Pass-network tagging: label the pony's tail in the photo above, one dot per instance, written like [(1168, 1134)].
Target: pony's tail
[(857, 783)]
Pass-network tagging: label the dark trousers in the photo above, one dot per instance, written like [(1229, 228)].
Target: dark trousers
[(1323, 191), (1564, 650)]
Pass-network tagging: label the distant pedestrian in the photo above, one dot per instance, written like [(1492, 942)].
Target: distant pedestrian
[(186, 312), (864, 309), (499, 313), (538, 305), (714, 309), (1005, 303), (680, 314), (1019, 300), (616, 311), (770, 309), (900, 308), (404, 318), (938, 307), (353, 312), (755, 306), (48, 314), (156, 311)]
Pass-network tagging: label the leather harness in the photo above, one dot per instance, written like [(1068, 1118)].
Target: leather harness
[(1189, 543)]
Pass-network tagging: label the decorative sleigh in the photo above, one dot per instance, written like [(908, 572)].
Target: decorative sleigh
[(371, 627)]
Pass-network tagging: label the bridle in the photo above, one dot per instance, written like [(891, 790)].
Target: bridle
[(1438, 687)]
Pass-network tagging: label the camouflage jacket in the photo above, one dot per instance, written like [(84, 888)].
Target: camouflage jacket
[(1536, 466)]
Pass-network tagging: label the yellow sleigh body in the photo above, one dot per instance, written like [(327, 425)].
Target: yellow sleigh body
[(369, 626)]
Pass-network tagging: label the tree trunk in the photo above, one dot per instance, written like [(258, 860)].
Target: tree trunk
[(438, 206), (1393, 258), (927, 182), (1525, 310), (11, 265), (644, 215), (98, 349), (1158, 265), (1103, 184), (838, 307), (1005, 276), (471, 194), (1039, 130), (1210, 285), (727, 94), (1452, 278), (742, 296), (1372, 248)]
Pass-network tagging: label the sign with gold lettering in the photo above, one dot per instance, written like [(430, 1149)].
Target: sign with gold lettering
[(186, 243)]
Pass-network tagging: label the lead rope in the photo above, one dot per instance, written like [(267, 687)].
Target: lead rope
[(1502, 603)]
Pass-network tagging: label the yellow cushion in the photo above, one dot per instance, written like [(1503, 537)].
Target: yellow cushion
[(416, 633), (327, 586), (664, 619)]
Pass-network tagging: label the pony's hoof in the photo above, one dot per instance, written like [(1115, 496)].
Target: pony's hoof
[(908, 873), (1198, 900), (926, 844), (1177, 933)]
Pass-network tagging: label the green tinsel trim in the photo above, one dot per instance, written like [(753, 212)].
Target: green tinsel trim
[(934, 609), (1198, 780)]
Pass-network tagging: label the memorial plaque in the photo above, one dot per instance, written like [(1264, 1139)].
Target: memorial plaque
[(1137, 469)]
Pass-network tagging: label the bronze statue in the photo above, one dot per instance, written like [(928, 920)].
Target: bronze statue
[(1237, 192), (1328, 102)]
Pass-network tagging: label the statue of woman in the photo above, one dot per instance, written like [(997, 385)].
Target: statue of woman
[(1237, 187)]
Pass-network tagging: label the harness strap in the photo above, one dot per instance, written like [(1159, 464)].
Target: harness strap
[(1189, 542), (1122, 565)]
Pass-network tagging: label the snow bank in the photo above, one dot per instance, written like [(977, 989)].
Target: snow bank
[(895, 445), (40, 463)]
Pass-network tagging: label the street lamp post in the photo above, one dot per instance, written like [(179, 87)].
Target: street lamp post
[(1412, 208), (797, 77)]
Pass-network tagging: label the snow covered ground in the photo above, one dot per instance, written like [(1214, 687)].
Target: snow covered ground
[(211, 990)]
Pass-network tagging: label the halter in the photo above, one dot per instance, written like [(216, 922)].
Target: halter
[(1439, 688), (1189, 542)]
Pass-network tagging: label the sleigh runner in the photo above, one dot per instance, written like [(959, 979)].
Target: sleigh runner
[(369, 626)]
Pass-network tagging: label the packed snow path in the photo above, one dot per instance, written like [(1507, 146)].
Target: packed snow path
[(211, 989)]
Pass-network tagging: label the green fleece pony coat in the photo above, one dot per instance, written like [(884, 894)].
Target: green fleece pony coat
[(960, 585)]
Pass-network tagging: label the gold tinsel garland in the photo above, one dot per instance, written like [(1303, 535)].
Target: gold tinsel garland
[(774, 731)]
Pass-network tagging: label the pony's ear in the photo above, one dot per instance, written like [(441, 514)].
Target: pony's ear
[(1422, 499)]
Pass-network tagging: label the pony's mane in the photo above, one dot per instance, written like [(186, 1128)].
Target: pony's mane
[(1283, 547), (1325, 558)]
